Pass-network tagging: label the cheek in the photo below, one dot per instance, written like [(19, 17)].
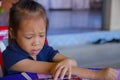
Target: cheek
[(23, 43), (42, 42)]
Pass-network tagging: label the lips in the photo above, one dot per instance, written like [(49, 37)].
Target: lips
[(35, 51)]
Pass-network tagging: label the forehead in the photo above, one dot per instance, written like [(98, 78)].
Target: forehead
[(32, 25)]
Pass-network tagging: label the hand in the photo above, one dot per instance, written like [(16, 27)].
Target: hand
[(62, 68), (106, 74), (7, 4)]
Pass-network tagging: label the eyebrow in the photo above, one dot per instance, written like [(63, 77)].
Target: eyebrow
[(33, 33)]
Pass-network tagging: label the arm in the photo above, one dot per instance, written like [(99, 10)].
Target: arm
[(27, 65), (104, 74), (59, 57), (7, 4)]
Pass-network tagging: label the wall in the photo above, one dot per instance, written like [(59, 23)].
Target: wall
[(60, 4), (69, 4), (115, 15), (81, 4), (45, 3)]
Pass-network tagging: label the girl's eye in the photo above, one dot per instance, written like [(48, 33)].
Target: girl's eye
[(41, 35), (28, 37)]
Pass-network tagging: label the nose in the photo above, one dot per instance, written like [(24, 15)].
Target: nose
[(36, 42)]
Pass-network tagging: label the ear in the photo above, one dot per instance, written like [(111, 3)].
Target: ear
[(11, 33)]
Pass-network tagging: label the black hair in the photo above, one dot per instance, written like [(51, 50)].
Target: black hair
[(25, 9)]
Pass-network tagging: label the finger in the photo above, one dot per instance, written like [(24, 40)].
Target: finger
[(57, 73), (114, 74), (64, 71), (55, 70), (69, 73), (109, 76)]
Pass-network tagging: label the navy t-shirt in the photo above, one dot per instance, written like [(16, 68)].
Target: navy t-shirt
[(14, 54)]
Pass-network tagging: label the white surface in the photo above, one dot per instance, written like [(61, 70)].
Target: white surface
[(2, 46), (26, 76), (90, 55)]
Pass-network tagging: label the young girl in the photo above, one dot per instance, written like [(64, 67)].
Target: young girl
[(27, 51)]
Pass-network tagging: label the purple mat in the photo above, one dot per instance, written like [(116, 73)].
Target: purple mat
[(118, 78), (19, 77), (35, 76), (49, 77)]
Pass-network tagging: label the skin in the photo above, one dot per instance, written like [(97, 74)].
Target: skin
[(31, 36), (7, 4), (105, 74)]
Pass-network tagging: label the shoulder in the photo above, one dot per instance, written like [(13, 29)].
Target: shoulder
[(11, 57), (48, 52), (11, 52), (47, 47), (7, 50)]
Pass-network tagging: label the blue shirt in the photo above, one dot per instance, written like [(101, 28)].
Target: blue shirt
[(14, 54)]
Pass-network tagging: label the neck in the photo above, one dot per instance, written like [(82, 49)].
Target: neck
[(34, 57)]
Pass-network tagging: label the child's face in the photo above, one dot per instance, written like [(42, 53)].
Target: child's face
[(31, 35)]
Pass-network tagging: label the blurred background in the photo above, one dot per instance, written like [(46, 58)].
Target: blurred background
[(86, 30), (73, 16)]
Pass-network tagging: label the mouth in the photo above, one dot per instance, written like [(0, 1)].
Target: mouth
[(35, 51)]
